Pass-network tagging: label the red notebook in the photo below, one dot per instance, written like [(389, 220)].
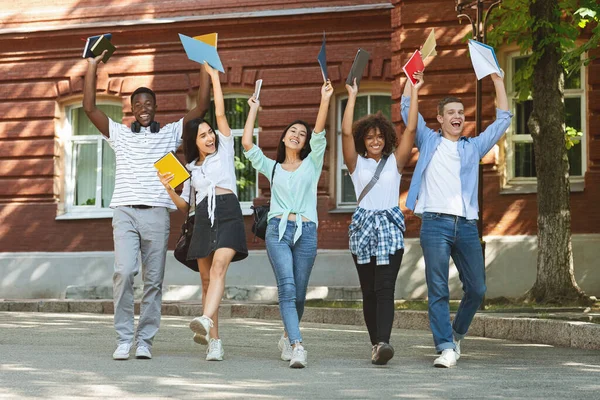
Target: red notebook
[(414, 64)]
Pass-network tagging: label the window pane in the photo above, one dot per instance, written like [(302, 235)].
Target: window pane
[(85, 173), (574, 154), (573, 112), (245, 174), (522, 113), (108, 173), (524, 160), (573, 81), (383, 104), (236, 111), (518, 63), (361, 107), (348, 195)]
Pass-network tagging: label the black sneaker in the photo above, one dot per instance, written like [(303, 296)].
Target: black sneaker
[(384, 353)]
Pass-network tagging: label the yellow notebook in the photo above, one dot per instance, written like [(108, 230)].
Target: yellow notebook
[(170, 163)]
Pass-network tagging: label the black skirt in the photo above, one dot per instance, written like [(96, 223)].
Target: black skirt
[(228, 230)]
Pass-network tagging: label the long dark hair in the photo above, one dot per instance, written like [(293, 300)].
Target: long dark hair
[(190, 133), (305, 150)]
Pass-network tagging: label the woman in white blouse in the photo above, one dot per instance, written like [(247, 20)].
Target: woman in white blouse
[(219, 234)]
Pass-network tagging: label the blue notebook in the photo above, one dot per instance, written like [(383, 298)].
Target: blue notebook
[(201, 52)]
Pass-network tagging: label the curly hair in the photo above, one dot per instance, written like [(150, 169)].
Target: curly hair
[(190, 133), (374, 121)]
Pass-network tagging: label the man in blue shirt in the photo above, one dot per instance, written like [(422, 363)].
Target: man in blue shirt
[(443, 191)]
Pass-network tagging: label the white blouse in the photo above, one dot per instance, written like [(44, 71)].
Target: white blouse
[(217, 170), (385, 193)]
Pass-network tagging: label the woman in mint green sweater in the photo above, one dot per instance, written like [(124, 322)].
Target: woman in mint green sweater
[(291, 237)]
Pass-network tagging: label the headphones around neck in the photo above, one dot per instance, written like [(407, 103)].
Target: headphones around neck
[(136, 127)]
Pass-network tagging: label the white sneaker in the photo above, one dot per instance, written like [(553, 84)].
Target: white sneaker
[(215, 351), (122, 351), (457, 347), (201, 327), (299, 357), (446, 360), (142, 352), (285, 347)]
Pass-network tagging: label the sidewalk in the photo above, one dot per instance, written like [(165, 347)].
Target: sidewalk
[(556, 328)]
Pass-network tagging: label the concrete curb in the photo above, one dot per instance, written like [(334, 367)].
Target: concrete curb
[(576, 334)]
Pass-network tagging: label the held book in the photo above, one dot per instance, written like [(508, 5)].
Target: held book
[(90, 42), (358, 66), (200, 51), (322, 59), (484, 59), (103, 43), (428, 48), (414, 64), (257, 87), (170, 163)]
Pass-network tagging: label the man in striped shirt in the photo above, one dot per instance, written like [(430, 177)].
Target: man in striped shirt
[(141, 206)]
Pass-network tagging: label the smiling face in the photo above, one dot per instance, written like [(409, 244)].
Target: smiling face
[(374, 143), (206, 140), (143, 107), (452, 120), (295, 137)]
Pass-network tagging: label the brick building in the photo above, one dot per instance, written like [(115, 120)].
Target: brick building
[(57, 170)]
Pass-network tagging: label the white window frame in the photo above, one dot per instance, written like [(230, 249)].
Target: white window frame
[(72, 211), (246, 206), (340, 165), (512, 137)]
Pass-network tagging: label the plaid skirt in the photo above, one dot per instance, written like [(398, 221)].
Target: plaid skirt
[(228, 230)]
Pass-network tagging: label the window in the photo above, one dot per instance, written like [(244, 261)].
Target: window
[(365, 104), (520, 154), (236, 110), (89, 165)]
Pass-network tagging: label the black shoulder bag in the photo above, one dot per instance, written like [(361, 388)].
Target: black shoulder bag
[(261, 213), (185, 238)]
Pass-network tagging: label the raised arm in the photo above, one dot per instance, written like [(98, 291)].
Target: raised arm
[(348, 148), (501, 98), (249, 127), (490, 136), (404, 150), (98, 118), (222, 124), (326, 92), (203, 99)]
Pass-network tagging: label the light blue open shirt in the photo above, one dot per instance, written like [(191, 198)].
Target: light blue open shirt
[(470, 150), (293, 192)]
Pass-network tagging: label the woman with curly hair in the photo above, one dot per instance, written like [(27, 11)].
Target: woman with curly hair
[(370, 148)]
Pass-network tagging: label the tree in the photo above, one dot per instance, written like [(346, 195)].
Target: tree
[(549, 30)]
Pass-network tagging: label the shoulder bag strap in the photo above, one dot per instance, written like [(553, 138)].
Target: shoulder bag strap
[(373, 180), (273, 173)]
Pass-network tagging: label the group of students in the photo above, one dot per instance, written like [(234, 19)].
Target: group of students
[(444, 182)]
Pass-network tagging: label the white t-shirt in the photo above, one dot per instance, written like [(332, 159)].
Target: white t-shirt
[(217, 170), (136, 182), (384, 195), (440, 191)]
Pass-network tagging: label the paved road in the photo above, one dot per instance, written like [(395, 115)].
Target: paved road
[(57, 356)]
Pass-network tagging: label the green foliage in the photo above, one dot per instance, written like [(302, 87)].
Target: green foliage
[(512, 24), (572, 136)]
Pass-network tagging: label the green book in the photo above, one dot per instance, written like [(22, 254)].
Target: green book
[(103, 43)]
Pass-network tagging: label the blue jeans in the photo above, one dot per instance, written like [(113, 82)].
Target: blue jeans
[(292, 264), (444, 236)]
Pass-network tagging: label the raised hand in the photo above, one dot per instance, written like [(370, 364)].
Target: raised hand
[(419, 78), (326, 90), (211, 71), (253, 102), (96, 60), (352, 90)]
